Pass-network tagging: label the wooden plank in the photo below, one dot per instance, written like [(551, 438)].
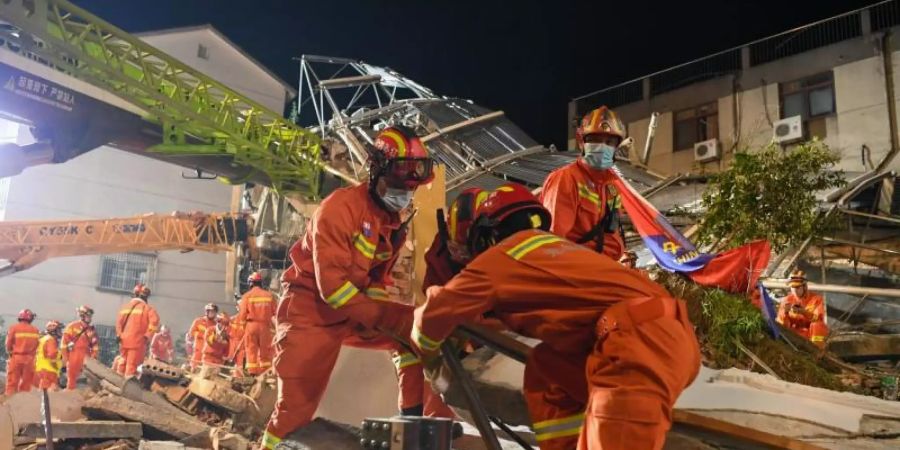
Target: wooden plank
[(97, 429), (180, 425), (748, 434)]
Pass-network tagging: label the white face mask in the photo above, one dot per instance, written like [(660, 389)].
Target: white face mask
[(599, 156), (397, 199)]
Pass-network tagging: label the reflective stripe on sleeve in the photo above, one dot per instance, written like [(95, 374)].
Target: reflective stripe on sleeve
[(269, 441), (424, 342), (528, 245), (556, 428), (363, 245), (342, 295), (377, 293), (404, 360)]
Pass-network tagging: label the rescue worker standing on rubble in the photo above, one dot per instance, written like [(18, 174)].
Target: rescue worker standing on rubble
[(334, 294), (256, 316), (215, 341), (616, 349), (49, 357), (197, 333), (583, 204), (79, 340), (161, 346), (136, 324), (21, 346), (803, 311)]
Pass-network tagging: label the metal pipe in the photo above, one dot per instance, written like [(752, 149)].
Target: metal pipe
[(860, 245), (479, 415), (463, 124), (345, 82), (496, 341), (887, 60), (871, 216), (773, 283), (651, 133)]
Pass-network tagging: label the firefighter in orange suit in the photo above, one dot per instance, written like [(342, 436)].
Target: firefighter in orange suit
[(49, 360), (335, 285), (136, 324), (803, 311), (582, 201), (616, 349), (162, 347), (236, 352), (216, 341), (21, 346), (79, 340), (257, 310), (197, 333)]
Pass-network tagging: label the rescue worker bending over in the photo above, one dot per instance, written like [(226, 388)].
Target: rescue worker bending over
[(583, 204), (616, 349), (21, 347), (197, 333), (136, 324), (215, 341), (803, 311), (49, 357), (161, 346), (79, 340), (256, 317), (336, 283)]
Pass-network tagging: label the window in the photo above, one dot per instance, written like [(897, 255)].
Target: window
[(202, 51), (810, 98), (122, 271), (695, 125)]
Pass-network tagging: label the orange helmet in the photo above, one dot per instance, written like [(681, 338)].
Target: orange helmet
[(601, 121), (401, 158), (463, 212), (27, 315), (502, 203), (141, 290), (798, 278), (254, 277), (52, 326), (85, 310)]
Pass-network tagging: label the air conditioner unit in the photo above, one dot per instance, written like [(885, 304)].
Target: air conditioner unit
[(788, 130), (706, 150)]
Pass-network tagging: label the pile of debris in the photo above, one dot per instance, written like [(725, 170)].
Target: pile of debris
[(165, 408)]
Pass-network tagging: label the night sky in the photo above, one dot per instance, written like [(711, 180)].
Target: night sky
[(526, 57)]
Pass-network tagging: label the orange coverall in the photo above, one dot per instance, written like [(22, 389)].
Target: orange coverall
[(578, 197), (197, 334), (78, 341), (236, 347), (616, 350), (137, 323), (21, 346), (162, 347), (332, 286), (257, 308), (215, 344), (48, 363), (808, 320)]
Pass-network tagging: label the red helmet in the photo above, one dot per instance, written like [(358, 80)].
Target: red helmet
[(463, 212), (254, 277), (401, 158), (85, 310), (601, 121), (141, 289), (52, 326), (27, 315), (503, 202)]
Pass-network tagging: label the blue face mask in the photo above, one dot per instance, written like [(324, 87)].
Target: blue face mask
[(397, 199), (599, 156)]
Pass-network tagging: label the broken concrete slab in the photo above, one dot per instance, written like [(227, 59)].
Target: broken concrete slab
[(178, 425), (323, 434), (97, 429), (219, 393), (860, 347), (164, 445), (223, 440)]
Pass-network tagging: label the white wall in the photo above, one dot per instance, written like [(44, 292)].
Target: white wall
[(225, 64)]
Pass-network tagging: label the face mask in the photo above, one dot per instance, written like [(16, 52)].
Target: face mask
[(397, 199), (599, 156)]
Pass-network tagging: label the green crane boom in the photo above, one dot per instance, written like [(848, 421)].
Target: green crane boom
[(198, 115)]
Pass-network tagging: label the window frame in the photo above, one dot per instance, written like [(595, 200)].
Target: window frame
[(806, 86), (128, 257), (698, 114)]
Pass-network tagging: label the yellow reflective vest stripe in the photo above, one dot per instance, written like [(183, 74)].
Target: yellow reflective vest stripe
[(46, 364)]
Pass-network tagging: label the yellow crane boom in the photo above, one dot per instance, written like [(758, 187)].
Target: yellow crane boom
[(26, 243)]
